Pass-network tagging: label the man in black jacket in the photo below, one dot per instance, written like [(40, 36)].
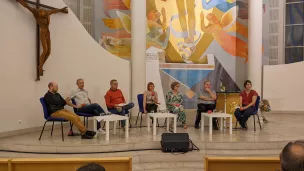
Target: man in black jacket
[(55, 105)]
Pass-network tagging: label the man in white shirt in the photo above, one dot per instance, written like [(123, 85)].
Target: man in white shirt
[(83, 102)]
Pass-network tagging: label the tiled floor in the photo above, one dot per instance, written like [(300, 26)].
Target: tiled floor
[(282, 128), (269, 141)]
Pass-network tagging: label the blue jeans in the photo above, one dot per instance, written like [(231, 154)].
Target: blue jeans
[(242, 116), (94, 109), (125, 110)]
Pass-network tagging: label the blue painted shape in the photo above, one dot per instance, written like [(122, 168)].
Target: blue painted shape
[(187, 77)]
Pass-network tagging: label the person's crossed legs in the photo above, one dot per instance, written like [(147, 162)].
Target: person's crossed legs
[(72, 117), (93, 108), (242, 116), (123, 112)]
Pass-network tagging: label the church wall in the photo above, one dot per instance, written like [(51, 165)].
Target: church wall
[(283, 86), (75, 54)]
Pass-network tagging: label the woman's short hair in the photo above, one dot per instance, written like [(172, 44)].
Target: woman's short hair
[(246, 82), (149, 84), (175, 83)]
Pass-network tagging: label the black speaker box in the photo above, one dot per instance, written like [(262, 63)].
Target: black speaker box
[(175, 142)]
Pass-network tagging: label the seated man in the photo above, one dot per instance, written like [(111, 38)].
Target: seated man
[(206, 101), (83, 102), (55, 105), (114, 97), (292, 157)]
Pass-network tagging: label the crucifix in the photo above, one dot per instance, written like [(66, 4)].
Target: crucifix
[(42, 17)]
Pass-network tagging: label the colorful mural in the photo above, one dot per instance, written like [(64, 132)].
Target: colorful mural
[(108, 22), (116, 27), (194, 41)]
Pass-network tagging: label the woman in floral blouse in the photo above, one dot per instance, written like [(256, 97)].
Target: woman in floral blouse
[(174, 100)]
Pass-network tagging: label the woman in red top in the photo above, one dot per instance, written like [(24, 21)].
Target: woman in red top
[(247, 102)]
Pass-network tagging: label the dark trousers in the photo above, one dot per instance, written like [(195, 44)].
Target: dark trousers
[(125, 110), (93, 108), (151, 108), (204, 108), (242, 116)]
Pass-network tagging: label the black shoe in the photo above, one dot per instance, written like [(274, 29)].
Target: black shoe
[(86, 136), (265, 121), (91, 133), (196, 127)]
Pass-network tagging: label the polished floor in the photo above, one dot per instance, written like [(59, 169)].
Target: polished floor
[(143, 147), (281, 128)]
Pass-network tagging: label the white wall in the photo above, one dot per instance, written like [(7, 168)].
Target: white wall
[(74, 55), (284, 86)]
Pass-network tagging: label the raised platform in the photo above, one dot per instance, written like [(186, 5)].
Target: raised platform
[(281, 129)]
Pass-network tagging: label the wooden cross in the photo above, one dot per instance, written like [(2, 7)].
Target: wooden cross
[(43, 19)]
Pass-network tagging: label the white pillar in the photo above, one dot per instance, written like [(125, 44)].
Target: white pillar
[(138, 64), (255, 44)]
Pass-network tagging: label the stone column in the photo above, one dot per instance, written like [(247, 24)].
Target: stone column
[(138, 61), (255, 43)]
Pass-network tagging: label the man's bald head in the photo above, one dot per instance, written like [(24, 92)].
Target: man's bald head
[(53, 87), (292, 156)]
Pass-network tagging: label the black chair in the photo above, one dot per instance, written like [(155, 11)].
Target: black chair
[(48, 118), (255, 113)]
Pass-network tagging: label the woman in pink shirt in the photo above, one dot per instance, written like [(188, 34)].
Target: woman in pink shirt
[(248, 99)]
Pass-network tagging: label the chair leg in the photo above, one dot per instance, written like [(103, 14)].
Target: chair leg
[(84, 121), (137, 118), (130, 124), (52, 129), (254, 122), (71, 126), (236, 122), (42, 130), (62, 131), (141, 119), (87, 124), (259, 121), (104, 124)]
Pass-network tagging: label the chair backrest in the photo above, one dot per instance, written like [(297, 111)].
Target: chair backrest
[(140, 99), (45, 111), (74, 103), (257, 103)]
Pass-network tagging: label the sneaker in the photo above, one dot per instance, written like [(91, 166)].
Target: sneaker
[(196, 127), (86, 136), (91, 133)]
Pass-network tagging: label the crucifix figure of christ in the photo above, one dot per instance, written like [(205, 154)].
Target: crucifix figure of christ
[(42, 17)]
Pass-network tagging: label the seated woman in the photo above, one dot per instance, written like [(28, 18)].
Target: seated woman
[(248, 99), (150, 99), (174, 100)]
